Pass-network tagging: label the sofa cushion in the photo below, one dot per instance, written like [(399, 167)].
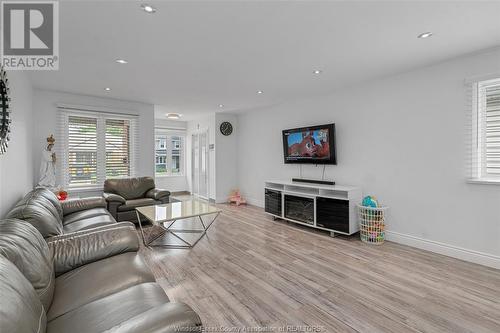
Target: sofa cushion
[(132, 204), (84, 214), (71, 206), (87, 223), (83, 247), (130, 215), (97, 280), (49, 195), (23, 245), (21, 309), (39, 212), (167, 318), (110, 311), (41, 197), (129, 188)]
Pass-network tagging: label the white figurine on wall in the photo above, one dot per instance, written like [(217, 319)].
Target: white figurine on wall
[(48, 165)]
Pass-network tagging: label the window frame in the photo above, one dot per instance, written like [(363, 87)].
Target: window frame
[(479, 174), (168, 134), (62, 148)]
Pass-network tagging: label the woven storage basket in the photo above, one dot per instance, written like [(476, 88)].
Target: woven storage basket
[(372, 224)]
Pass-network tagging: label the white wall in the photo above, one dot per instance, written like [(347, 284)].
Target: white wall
[(45, 117), (172, 183), (226, 148), (401, 139), (171, 124), (16, 165)]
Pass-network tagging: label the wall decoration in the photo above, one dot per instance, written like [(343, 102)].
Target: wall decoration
[(226, 128), (48, 165), (5, 119)]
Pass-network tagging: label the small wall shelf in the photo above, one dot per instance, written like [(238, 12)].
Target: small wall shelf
[(326, 207)]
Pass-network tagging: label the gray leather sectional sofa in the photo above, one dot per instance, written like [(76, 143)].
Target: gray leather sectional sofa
[(89, 280), (41, 208)]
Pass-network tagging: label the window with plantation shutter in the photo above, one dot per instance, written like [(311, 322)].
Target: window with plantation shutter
[(94, 146), (82, 150), (117, 148), (486, 130), (490, 99)]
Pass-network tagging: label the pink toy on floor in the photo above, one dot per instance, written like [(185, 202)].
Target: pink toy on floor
[(235, 197)]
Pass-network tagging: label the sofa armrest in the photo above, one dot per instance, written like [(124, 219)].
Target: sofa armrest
[(114, 201), (83, 247), (76, 205), (158, 194), (112, 197)]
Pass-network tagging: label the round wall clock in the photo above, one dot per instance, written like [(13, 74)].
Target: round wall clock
[(4, 112), (226, 128)]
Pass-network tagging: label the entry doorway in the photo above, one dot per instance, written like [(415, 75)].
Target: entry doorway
[(199, 167)]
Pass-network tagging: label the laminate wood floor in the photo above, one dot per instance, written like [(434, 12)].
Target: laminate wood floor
[(253, 272)]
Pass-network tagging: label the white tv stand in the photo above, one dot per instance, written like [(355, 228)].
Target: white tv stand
[(326, 207)]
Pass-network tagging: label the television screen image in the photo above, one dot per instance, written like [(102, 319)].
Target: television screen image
[(315, 144)]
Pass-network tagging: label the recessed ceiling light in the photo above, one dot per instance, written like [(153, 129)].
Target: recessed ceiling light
[(221, 105), (317, 71), (173, 115), (259, 92), (148, 8), (107, 89), (121, 61), (425, 35)]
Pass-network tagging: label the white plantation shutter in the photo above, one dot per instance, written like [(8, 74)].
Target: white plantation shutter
[(490, 106), (117, 148), (82, 150), (484, 132), (95, 146)]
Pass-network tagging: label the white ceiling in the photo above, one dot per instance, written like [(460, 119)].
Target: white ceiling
[(189, 56)]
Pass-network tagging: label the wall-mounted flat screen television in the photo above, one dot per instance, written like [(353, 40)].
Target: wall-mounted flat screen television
[(313, 145)]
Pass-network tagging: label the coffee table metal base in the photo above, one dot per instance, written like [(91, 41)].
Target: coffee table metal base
[(174, 232)]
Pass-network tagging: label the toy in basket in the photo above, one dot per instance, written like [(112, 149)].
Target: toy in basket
[(236, 198), (372, 220)]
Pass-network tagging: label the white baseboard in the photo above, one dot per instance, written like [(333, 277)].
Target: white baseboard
[(445, 249), (255, 202)]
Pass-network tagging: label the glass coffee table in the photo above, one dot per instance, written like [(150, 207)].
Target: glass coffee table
[(167, 215)]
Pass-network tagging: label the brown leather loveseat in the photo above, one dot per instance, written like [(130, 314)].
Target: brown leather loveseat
[(125, 194)]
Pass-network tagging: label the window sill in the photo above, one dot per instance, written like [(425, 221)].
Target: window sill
[(482, 181), (76, 190), (168, 176)]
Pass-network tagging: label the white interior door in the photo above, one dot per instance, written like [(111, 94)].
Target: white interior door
[(203, 186), (199, 168), (195, 154)]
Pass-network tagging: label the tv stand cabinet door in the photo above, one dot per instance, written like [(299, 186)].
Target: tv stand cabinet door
[(273, 202), (332, 214)]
